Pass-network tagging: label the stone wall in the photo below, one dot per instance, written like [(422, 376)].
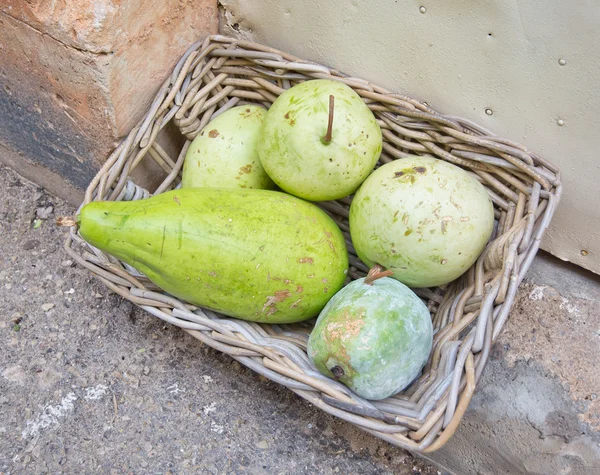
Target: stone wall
[(77, 75)]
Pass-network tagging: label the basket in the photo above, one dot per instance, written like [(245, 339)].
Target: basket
[(468, 314)]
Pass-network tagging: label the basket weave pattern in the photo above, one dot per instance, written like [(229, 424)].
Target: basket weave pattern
[(468, 314)]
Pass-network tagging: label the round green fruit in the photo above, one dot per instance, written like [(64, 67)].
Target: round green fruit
[(224, 154), (318, 148), (375, 338), (425, 219)]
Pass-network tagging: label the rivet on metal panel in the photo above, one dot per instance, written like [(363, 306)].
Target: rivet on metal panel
[(562, 61), (489, 111), (422, 9), (560, 122)]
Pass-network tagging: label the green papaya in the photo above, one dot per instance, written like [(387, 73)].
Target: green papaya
[(374, 336), (258, 255)]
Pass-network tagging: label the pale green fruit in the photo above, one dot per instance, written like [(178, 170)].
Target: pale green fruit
[(224, 155), (425, 219), (293, 150)]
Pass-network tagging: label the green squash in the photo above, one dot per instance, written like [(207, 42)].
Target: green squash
[(224, 154), (258, 255), (294, 149), (375, 338), (425, 219)]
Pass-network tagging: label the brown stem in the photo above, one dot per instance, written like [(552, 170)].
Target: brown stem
[(327, 137), (68, 221), (377, 272)]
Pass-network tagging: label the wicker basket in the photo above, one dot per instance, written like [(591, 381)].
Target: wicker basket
[(467, 314)]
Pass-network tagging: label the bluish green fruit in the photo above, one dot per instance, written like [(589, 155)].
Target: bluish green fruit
[(375, 338)]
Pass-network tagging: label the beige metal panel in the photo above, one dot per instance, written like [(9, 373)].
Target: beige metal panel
[(534, 65)]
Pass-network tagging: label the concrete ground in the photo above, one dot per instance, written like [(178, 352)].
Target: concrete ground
[(91, 384)]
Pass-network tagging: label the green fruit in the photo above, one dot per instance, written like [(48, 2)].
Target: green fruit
[(375, 338), (224, 154), (294, 150), (253, 254), (425, 219)]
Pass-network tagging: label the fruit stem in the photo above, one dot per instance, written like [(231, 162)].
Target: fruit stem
[(377, 272), (337, 371), (327, 137), (68, 221)]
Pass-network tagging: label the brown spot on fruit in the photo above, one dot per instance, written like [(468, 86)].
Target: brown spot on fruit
[(464, 219), (444, 261), (287, 115), (176, 200), (398, 174), (247, 110), (305, 260), (279, 296), (246, 169), (213, 134), (408, 232), (420, 169), (299, 289)]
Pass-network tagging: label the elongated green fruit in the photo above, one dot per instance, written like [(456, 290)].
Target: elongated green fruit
[(258, 255)]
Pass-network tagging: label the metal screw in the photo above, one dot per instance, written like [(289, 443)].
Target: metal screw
[(422, 9), (562, 61), (489, 111), (560, 122)]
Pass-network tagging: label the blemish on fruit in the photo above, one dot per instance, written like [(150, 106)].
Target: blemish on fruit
[(444, 261), (305, 260), (420, 169), (299, 289), (279, 296), (408, 232), (213, 134)]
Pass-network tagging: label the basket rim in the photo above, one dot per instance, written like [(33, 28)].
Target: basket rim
[(525, 188)]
